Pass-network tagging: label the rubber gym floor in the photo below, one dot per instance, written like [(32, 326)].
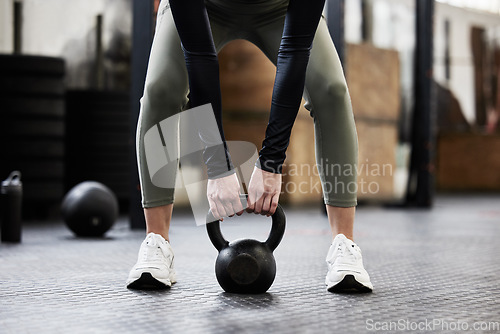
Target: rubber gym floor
[(432, 270)]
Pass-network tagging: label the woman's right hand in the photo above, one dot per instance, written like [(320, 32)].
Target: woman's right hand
[(224, 196)]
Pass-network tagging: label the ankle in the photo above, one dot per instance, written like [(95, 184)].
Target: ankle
[(341, 220), (158, 220), (347, 234), (164, 234)]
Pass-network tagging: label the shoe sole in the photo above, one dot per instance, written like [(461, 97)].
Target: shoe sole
[(349, 285), (147, 282)]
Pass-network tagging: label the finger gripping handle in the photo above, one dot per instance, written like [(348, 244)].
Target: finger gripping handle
[(213, 227), (210, 217)]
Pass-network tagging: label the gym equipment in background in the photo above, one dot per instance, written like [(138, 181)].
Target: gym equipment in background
[(10, 207), (97, 142), (32, 112), (89, 209), (246, 265)]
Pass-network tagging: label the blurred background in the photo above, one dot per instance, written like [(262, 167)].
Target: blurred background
[(424, 78)]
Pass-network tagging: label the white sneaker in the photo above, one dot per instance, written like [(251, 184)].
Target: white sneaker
[(155, 265), (345, 267)]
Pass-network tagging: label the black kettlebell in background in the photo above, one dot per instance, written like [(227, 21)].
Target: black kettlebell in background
[(246, 265)]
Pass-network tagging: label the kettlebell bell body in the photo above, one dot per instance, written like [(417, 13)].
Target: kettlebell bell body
[(247, 265)]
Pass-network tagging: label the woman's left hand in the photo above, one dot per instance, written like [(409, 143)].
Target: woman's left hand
[(264, 190)]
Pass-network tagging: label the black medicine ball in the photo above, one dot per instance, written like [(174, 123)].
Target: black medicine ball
[(89, 209)]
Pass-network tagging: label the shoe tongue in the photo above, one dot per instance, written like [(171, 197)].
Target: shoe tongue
[(351, 248), (340, 238), (152, 239), (348, 243), (341, 241)]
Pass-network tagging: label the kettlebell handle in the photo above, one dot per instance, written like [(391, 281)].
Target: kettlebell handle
[(275, 236), (277, 228)]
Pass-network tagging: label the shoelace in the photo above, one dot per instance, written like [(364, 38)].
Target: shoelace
[(352, 249), (151, 241), (345, 249), (156, 246)]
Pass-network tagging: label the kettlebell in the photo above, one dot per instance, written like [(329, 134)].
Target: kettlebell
[(246, 265)]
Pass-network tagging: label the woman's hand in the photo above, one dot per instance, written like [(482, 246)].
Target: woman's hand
[(224, 196), (263, 192)]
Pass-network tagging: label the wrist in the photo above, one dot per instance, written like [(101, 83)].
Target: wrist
[(221, 175), (269, 166)]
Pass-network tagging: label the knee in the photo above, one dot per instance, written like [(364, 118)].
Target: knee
[(152, 93), (331, 101), (162, 93), (336, 91)]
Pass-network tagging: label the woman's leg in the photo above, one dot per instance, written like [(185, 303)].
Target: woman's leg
[(336, 156), (165, 95), (335, 132)]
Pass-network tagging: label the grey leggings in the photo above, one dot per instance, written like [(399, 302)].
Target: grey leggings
[(166, 89)]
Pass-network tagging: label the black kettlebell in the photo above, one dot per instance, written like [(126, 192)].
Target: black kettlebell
[(246, 265)]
